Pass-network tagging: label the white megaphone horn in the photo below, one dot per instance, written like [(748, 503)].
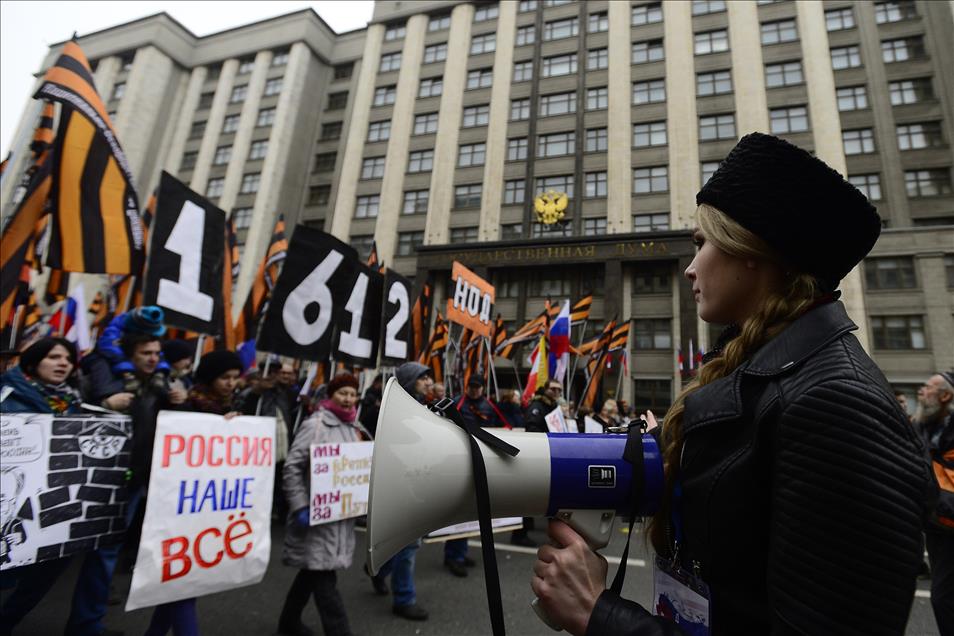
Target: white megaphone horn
[(422, 478)]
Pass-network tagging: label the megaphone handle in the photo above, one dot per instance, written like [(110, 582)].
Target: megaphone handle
[(543, 616)]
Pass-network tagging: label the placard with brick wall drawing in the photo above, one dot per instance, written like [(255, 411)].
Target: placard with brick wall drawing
[(61, 484)]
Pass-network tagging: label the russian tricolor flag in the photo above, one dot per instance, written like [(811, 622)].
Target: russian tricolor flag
[(560, 344)]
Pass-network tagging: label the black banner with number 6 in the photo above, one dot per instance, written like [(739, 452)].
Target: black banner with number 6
[(186, 257), (309, 297)]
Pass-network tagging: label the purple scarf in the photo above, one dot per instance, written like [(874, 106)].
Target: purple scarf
[(345, 415)]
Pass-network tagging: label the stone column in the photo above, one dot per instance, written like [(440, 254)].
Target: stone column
[(627, 314), (826, 131), (184, 124), (490, 199), (105, 76), (619, 160), (441, 196), (20, 159), (213, 125), (357, 133), (682, 120), (748, 72)]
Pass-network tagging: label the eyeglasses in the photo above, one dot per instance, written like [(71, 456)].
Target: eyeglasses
[(556, 389)]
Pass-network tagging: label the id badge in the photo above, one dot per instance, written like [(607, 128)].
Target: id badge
[(681, 598)]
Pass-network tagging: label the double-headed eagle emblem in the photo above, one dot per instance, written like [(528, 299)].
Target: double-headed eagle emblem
[(550, 206)]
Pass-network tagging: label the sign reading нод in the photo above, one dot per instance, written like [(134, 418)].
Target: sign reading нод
[(472, 302)]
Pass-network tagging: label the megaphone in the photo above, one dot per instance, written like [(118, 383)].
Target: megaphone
[(422, 478)]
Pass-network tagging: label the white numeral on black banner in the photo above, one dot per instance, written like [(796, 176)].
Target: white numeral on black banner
[(393, 347), (314, 289), (351, 341), (185, 240)]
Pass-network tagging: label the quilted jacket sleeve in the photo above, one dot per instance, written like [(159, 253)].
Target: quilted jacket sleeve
[(849, 496), (617, 616)]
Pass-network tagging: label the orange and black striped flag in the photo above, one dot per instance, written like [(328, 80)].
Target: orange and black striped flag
[(620, 337), (43, 135), (100, 310), (57, 286), (499, 338), (529, 331), (581, 310), (230, 273), (5, 163), (246, 325), (433, 355), (420, 317), (96, 220), (596, 366), (373, 255)]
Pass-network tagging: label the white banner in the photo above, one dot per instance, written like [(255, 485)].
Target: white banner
[(208, 508), (556, 423), (340, 478)]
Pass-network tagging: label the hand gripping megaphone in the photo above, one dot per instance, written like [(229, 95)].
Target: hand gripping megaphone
[(422, 478)]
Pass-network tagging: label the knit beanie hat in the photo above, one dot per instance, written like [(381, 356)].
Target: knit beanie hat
[(340, 381), (214, 364), (175, 350), (144, 320), (408, 373)]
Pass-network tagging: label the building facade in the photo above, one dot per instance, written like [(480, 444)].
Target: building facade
[(431, 131)]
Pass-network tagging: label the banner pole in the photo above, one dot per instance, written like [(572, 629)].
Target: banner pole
[(576, 362), (589, 381), (128, 299), (268, 364), (516, 373), (15, 327), (198, 351)]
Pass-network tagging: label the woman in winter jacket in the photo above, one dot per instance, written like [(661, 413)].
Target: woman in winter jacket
[(795, 486), (318, 550)]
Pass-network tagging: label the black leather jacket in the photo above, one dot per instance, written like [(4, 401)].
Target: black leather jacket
[(804, 493)]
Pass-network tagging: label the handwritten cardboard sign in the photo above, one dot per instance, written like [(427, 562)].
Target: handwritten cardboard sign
[(340, 479)]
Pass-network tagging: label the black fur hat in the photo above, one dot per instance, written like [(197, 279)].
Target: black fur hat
[(818, 222)]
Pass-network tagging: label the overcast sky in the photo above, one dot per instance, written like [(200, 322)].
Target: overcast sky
[(28, 28)]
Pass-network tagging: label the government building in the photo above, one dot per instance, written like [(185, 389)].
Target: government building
[(433, 130)]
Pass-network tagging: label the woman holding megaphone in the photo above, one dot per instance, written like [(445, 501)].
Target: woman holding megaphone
[(795, 487)]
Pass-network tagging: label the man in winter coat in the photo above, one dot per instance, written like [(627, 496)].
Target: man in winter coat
[(543, 403), (476, 408)]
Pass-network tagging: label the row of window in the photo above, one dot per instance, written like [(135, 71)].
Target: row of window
[(246, 64), (223, 154), (250, 184), (265, 117)]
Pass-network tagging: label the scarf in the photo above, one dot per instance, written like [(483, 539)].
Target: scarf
[(59, 397), (345, 415), (205, 401)]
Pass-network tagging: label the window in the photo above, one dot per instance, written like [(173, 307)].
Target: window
[(911, 91), (425, 124), (127, 61), (463, 234), (476, 116), (788, 120), (480, 78), (702, 7), (649, 180), (598, 22), (332, 131), (519, 109), (597, 59), (439, 22), (649, 51), (517, 149), (869, 184), (384, 95), (527, 5), (596, 140), (652, 278), (119, 89), (559, 65), (509, 232), (408, 242), (486, 12), (526, 35), (239, 93), (717, 127), (902, 50), (420, 161), (784, 74), (927, 183), (250, 183), (222, 155), (594, 227), (280, 58), (246, 65), (655, 395), (258, 149), (379, 130), (415, 202), (597, 98), (430, 87), (515, 192), (468, 196), (486, 43), (523, 71), (205, 100), (266, 117), (895, 11), (715, 83), (547, 283), (435, 53), (325, 161), (839, 19), (711, 42), (845, 57), (857, 142), (650, 92), (708, 169), (556, 144), (372, 168), (274, 87), (230, 124), (559, 104), (214, 71), (318, 195), (390, 62), (471, 155), (778, 32), (648, 135), (917, 136), (563, 183), (652, 334), (898, 332), (852, 98), (647, 13), (658, 222), (337, 101), (362, 244), (366, 207), (890, 273), (595, 185), (559, 29), (394, 32), (213, 189), (197, 130), (242, 218), (188, 161), (343, 71)]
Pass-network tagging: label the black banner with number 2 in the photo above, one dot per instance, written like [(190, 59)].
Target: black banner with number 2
[(186, 257), (396, 327)]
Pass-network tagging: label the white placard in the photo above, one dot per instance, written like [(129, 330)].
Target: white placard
[(472, 528), (556, 423), (340, 480), (208, 510), (572, 426), (591, 425)]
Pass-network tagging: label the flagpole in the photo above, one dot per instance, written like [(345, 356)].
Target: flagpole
[(198, 351), (576, 362), (268, 364), (619, 381), (602, 360), (128, 299), (17, 315), (516, 373), (493, 372)]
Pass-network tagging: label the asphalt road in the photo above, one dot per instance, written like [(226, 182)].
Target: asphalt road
[(458, 607)]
